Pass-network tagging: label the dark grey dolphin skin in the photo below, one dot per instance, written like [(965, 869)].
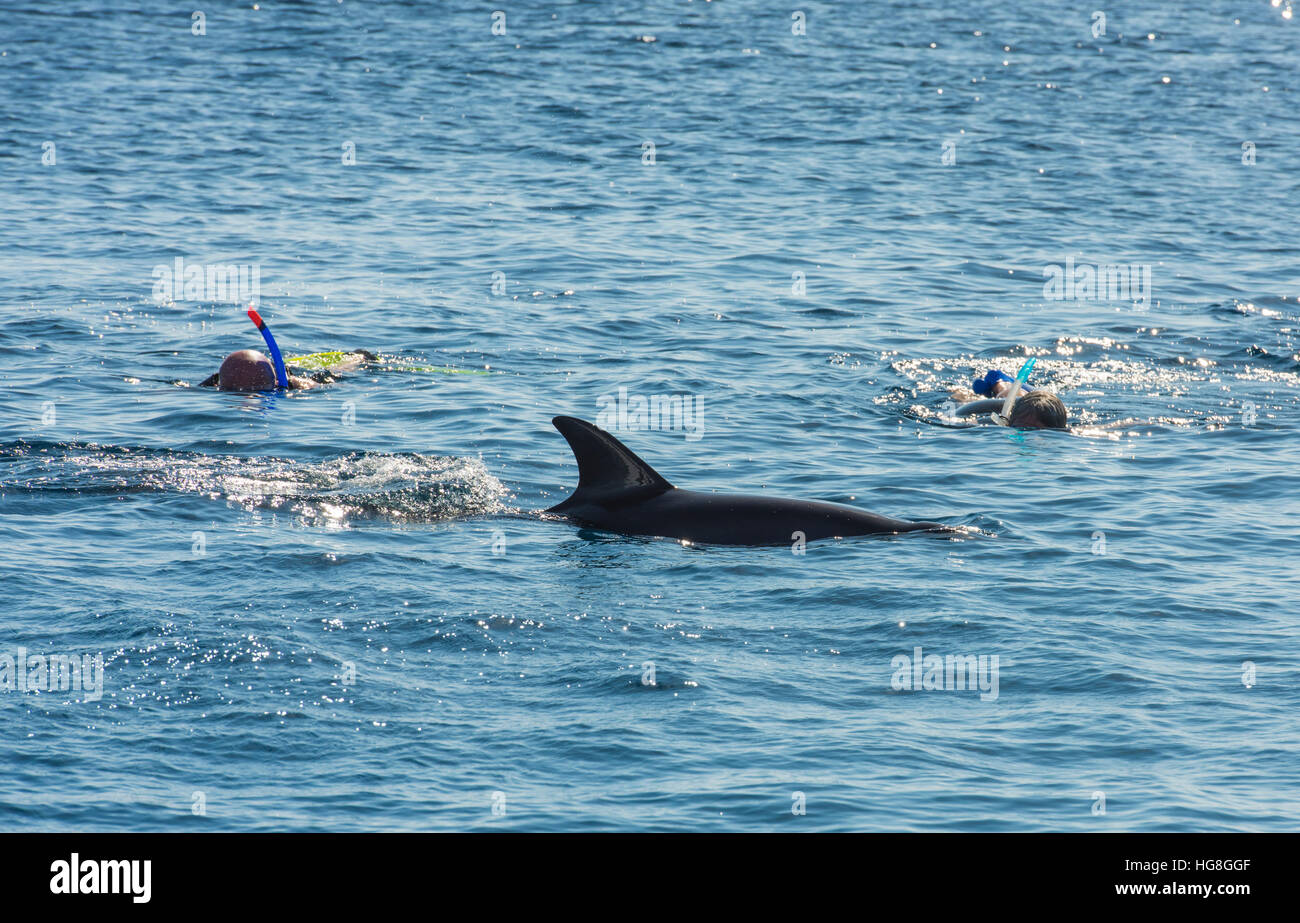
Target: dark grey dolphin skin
[(618, 492)]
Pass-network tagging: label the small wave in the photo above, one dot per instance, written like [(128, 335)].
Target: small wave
[(407, 487)]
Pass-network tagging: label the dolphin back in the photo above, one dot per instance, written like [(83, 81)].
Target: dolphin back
[(608, 471), (618, 492)]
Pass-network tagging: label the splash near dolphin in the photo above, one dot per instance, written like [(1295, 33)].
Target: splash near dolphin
[(618, 492)]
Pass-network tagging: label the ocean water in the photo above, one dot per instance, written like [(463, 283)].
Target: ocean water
[(339, 609)]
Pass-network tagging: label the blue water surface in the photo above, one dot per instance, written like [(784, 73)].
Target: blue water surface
[(339, 609)]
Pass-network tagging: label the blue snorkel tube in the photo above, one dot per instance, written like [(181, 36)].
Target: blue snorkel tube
[(1003, 417), (281, 379)]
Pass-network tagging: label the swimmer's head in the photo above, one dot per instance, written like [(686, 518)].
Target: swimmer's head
[(246, 370), (1038, 410)]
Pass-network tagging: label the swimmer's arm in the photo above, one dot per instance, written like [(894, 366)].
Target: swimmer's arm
[(963, 395), (351, 362), (966, 394), (976, 408), (210, 381)]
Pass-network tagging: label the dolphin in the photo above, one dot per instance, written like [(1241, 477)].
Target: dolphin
[(618, 492)]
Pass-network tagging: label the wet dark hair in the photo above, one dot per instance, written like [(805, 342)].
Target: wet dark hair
[(1039, 409)]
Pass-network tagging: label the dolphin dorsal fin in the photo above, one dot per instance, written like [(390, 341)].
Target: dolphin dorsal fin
[(607, 469)]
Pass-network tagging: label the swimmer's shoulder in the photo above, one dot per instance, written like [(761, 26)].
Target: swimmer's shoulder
[(977, 408)]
